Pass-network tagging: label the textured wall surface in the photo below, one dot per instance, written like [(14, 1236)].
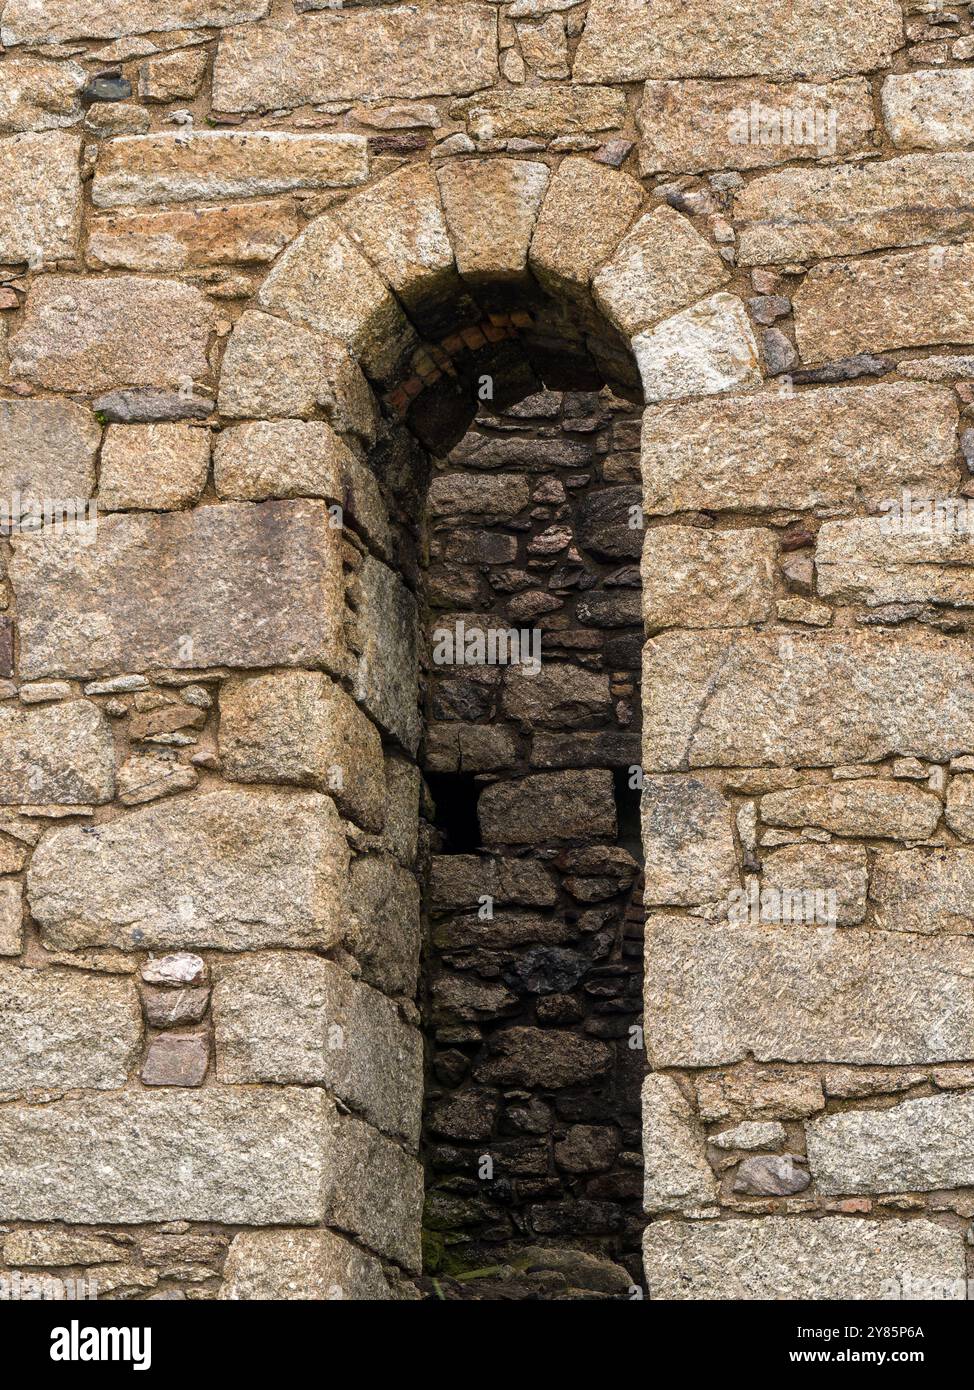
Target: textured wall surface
[(261, 264)]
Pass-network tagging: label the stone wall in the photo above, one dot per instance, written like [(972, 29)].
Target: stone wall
[(260, 264)]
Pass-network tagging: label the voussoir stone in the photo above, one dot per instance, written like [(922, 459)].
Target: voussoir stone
[(40, 95), (398, 51), (851, 208), (491, 207), (908, 299), (622, 42), (138, 169), (870, 806), (688, 842), (279, 458), (283, 1017), (586, 212), (559, 805), (47, 450), (551, 109), (693, 127), (895, 559), (925, 890), (59, 754), (40, 197), (386, 681), (259, 1156), (702, 351), (701, 578), (235, 585), (174, 239), (677, 1175), (300, 1264), (753, 699), (915, 1146), (54, 21), (715, 993), (230, 869), (929, 110), (66, 1028), (299, 726), (781, 1257), (815, 448), (92, 334)]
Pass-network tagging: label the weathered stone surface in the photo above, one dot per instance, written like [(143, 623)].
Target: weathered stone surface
[(506, 113), (65, 1028), (715, 993), (178, 239), (324, 282), (662, 265), (784, 1092), (896, 558), (387, 679), (51, 1247), (804, 699), (56, 755), (140, 169), (40, 95), (851, 208), (706, 349), (871, 806), (300, 1264), (915, 1146), (723, 38), (676, 1173), (177, 1059), (149, 467), (459, 880), (699, 578), (173, 75), (692, 127), (376, 1193), (230, 869), (688, 842), (960, 806), (89, 334), (400, 51), (491, 207), (283, 1017), (586, 212), (53, 21), (145, 406), (821, 884), (147, 776), (261, 1156), (548, 805), (929, 110), (909, 299), (751, 1134), (173, 971), (40, 204), (299, 726), (546, 1057), (174, 1008), (279, 458), (463, 494), (560, 695), (812, 449), (383, 930), (924, 890), (11, 919), (771, 1175), (781, 1257), (47, 450), (272, 368), (233, 585)]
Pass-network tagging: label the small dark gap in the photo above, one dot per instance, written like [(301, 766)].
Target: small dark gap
[(455, 810)]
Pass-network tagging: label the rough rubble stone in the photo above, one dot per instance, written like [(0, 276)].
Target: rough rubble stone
[(707, 349), (176, 1059), (693, 577), (815, 448), (54, 21), (545, 1057), (91, 334), (895, 558), (560, 695), (11, 918), (180, 968), (549, 110), (65, 1029), (398, 51), (771, 1175), (279, 458), (824, 883), (750, 699), (782, 1092), (851, 208), (929, 110), (725, 38), (174, 1008), (235, 585), (662, 265), (299, 726), (387, 678), (60, 755), (716, 993), (915, 1146), (300, 1264), (153, 467), (40, 95), (924, 890), (47, 450), (147, 776), (548, 805), (677, 1175), (462, 494), (870, 807), (382, 926), (144, 406), (40, 203), (158, 168), (235, 870), (960, 806), (175, 239), (586, 212), (693, 127), (751, 1134), (688, 842), (786, 1258), (282, 1017), (491, 207), (60, 1248)]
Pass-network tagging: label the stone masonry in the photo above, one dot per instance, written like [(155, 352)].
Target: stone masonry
[(645, 330)]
